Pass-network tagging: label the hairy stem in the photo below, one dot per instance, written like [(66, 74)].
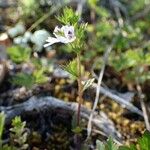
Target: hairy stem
[(80, 93)]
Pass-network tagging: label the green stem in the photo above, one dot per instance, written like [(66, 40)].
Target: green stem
[(80, 93)]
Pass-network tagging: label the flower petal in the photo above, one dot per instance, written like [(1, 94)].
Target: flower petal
[(62, 39), (51, 40), (57, 29), (65, 35), (68, 31)]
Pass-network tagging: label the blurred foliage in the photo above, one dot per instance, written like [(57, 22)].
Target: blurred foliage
[(39, 76), (142, 144), (130, 56), (131, 50), (137, 5), (23, 79), (18, 135), (130, 61), (29, 8), (109, 145), (2, 122), (31, 75), (68, 17), (71, 67), (28, 80), (19, 54), (101, 11)]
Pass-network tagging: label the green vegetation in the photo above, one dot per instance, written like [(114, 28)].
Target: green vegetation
[(142, 144), (18, 134), (77, 42)]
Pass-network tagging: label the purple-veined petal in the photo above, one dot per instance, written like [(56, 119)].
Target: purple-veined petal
[(65, 35), (69, 32)]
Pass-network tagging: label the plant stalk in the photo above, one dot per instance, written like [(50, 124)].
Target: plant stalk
[(80, 92)]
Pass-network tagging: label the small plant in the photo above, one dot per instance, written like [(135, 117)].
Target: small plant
[(18, 134), (73, 34)]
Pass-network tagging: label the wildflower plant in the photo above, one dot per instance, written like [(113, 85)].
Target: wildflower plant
[(72, 33)]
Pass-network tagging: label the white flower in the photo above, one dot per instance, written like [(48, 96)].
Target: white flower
[(65, 35)]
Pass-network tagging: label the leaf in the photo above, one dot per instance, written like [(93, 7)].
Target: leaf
[(87, 84), (132, 57), (7, 147), (23, 79), (19, 54), (74, 121), (77, 130), (132, 147), (101, 11), (144, 141), (68, 17), (110, 145), (2, 122), (78, 44), (39, 76), (72, 68), (147, 58)]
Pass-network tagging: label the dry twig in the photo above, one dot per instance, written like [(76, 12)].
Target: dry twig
[(101, 121), (146, 119), (89, 127)]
